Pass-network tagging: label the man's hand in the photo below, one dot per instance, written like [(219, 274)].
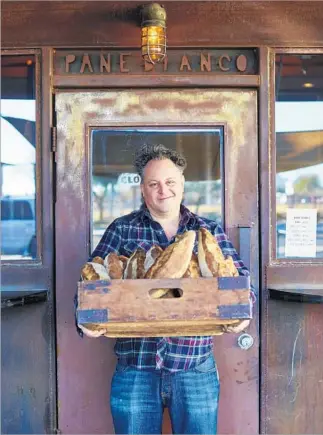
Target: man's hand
[(241, 326), (89, 333)]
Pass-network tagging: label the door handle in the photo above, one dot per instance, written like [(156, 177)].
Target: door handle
[(245, 245)]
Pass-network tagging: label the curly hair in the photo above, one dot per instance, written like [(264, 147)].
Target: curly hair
[(148, 152)]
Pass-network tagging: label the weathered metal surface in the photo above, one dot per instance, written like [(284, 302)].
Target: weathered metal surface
[(26, 374), (12, 299), (85, 366), (161, 81), (129, 62), (28, 333), (292, 331), (16, 277), (195, 24), (295, 277), (295, 370)]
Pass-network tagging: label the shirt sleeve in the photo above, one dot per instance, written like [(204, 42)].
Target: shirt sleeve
[(110, 241), (228, 249)]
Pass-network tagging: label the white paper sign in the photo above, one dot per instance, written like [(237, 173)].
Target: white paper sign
[(300, 232)]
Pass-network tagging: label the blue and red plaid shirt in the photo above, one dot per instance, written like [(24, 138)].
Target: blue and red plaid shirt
[(138, 230)]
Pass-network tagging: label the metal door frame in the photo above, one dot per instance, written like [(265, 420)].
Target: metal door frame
[(77, 113)]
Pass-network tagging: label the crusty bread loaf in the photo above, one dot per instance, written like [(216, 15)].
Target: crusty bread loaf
[(114, 265), (98, 260), (124, 260), (151, 256), (193, 270), (172, 263), (227, 268), (135, 265), (174, 260), (94, 271), (209, 254), (211, 259)]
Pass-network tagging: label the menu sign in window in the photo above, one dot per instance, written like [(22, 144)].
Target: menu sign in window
[(301, 233)]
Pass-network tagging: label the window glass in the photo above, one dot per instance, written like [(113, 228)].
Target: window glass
[(22, 210), (116, 186), (5, 210), (299, 156), (18, 157)]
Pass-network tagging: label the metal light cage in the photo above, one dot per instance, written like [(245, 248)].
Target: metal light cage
[(153, 33)]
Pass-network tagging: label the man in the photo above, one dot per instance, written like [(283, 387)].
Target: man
[(153, 373)]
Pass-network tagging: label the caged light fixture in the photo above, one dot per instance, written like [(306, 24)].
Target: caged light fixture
[(153, 33)]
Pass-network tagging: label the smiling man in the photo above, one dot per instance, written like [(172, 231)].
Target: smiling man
[(175, 372)]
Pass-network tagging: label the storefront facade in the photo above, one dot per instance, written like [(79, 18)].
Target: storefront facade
[(240, 94)]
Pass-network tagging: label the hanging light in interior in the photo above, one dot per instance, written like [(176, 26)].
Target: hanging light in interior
[(153, 33)]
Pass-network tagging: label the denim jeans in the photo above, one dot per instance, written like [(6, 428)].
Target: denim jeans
[(138, 398)]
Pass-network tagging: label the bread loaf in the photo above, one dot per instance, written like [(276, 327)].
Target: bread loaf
[(227, 268), (151, 256), (209, 254), (211, 259), (172, 263), (98, 260), (174, 260), (135, 265), (94, 271), (193, 270), (114, 265)]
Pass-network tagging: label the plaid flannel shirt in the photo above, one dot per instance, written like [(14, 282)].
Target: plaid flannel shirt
[(139, 230)]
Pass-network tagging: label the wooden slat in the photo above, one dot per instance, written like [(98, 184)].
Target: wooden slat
[(160, 329)]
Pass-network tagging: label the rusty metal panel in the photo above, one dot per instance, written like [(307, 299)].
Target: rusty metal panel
[(294, 368), (85, 366), (189, 23), (28, 386), (26, 371)]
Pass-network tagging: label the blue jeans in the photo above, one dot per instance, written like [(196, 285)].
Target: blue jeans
[(138, 398)]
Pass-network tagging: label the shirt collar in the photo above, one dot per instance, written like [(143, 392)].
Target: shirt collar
[(186, 215)]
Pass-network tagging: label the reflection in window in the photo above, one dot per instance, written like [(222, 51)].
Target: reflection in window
[(116, 187), (299, 160), (18, 157)]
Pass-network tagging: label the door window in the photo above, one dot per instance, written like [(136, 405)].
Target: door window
[(116, 187), (299, 156), (18, 157)]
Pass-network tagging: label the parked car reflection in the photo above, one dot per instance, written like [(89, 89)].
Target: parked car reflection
[(18, 223)]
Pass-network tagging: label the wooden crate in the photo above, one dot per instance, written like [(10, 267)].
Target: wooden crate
[(124, 308)]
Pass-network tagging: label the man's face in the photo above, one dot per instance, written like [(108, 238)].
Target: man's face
[(162, 187)]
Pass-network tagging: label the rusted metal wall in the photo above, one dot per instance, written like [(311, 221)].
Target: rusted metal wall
[(193, 23), (294, 368), (26, 385)]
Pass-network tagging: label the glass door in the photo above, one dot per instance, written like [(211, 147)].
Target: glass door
[(97, 134)]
